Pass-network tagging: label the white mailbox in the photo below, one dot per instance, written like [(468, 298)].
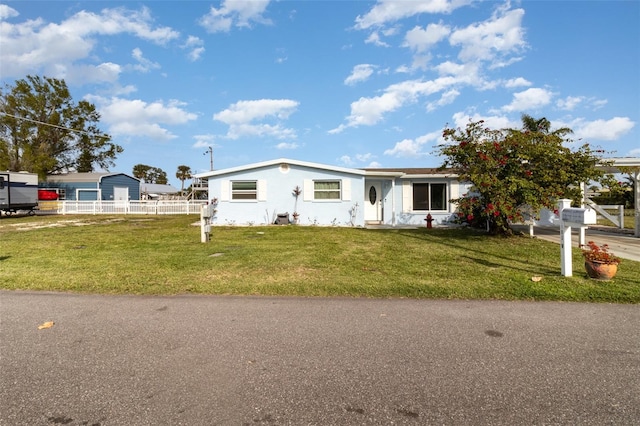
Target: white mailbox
[(579, 216)]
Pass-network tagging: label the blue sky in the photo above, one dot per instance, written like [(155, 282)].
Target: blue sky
[(347, 83)]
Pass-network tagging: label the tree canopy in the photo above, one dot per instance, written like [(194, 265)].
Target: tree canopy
[(150, 174), (43, 131), (515, 171), (183, 173)]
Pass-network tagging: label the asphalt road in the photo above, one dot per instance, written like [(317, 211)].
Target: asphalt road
[(201, 360)]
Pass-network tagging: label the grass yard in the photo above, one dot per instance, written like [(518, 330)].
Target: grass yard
[(164, 255)]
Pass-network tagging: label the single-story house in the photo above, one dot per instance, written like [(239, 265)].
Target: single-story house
[(265, 193), (94, 186)]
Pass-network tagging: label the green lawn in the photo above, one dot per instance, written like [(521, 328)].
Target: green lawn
[(164, 255)]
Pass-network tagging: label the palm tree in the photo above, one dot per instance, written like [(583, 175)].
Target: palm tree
[(183, 173)]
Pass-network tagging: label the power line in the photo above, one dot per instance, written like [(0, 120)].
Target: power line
[(54, 125)]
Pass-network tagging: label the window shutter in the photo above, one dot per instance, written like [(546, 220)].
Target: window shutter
[(224, 190), (262, 190), (454, 192), (407, 197), (307, 194), (346, 190)]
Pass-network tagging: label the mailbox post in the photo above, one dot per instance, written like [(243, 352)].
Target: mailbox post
[(569, 217)]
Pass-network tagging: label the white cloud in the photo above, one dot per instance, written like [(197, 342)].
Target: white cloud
[(53, 49), (286, 145), (386, 11), (359, 74), (144, 65), (374, 38), (447, 98), (364, 157), (203, 141), (517, 82), (529, 99), (195, 47), (7, 12), (346, 160), (413, 147), (493, 39), (605, 130), (138, 118), (369, 111), (359, 158), (570, 102), (240, 118), (461, 119), (634, 152), (239, 13), (420, 40)]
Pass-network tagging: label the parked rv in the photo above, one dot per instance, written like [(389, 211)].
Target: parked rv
[(18, 191)]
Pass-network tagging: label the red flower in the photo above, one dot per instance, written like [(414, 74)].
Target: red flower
[(469, 217), (496, 213)]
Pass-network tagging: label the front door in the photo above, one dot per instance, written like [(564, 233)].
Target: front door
[(120, 196), (373, 203)]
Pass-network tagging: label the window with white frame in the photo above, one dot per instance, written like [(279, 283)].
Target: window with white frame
[(429, 196), (326, 190), (244, 190)]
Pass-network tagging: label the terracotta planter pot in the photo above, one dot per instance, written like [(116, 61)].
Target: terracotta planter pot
[(601, 271)]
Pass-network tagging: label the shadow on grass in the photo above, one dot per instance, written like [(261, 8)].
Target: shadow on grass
[(4, 258), (447, 238)]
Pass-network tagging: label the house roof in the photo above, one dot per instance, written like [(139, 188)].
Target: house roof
[(156, 188), (280, 161), (377, 172), (411, 172), (83, 177)]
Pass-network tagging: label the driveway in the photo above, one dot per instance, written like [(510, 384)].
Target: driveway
[(623, 244), (201, 360)]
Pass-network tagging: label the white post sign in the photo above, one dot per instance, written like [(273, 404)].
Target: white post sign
[(571, 217)]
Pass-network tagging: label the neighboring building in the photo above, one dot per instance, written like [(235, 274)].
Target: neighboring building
[(94, 186), (156, 191), (263, 193)]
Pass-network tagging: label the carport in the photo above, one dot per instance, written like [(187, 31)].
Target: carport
[(628, 165)]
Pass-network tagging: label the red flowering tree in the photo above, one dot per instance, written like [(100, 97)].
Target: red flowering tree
[(514, 171)]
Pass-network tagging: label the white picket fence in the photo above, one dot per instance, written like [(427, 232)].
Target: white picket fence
[(130, 207)]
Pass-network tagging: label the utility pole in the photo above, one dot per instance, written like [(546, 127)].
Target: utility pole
[(210, 152)]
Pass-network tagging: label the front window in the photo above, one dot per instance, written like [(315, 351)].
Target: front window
[(429, 196), (244, 190), (326, 190)]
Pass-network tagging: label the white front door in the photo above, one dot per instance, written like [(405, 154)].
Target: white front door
[(120, 196), (373, 202)]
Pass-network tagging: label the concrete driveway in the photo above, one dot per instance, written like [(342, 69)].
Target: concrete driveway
[(201, 360), (623, 244)]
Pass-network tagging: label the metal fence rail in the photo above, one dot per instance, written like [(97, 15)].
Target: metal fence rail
[(130, 207)]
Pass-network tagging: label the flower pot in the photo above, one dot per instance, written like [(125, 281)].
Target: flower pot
[(601, 271)]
